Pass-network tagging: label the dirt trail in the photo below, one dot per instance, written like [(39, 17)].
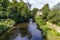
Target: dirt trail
[(53, 26)]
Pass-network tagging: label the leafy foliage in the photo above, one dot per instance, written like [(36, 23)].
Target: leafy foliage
[(5, 4), (46, 11), (54, 16), (6, 24), (14, 12), (33, 12), (48, 34), (19, 11)]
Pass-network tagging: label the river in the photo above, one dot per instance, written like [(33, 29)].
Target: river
[(34, 33)]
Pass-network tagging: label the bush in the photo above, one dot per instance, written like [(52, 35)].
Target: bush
[(6, 24), (40, 20), (3, 28), (48, 34)]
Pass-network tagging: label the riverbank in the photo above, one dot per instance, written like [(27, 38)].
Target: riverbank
[(12, 31), (48, 33)]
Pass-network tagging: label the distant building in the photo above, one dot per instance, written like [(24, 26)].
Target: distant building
[(39, 12)]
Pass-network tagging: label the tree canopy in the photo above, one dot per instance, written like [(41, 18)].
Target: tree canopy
[(46, 11), (54, 16)]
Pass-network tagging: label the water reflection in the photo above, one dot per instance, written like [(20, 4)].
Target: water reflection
[(36, 34), (33, 33)]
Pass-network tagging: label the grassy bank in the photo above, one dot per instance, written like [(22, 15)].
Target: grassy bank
[(48, 34)]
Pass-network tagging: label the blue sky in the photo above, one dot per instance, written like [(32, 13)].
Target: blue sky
[(40, 3)]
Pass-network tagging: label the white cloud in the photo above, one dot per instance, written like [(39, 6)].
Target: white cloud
[(40, 3)]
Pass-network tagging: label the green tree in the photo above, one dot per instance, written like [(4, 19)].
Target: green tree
[(24, 11), (33, 12), (1, 7), (54, 16), (46, 11), (6, 24), (19, 11), (5, 4)]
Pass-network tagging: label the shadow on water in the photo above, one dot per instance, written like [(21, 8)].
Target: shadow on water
[(25, 31), (23, 28)]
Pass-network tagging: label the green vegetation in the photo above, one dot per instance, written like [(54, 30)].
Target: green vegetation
[(12, 13), (42, 25), (15, 12), (23, 27), (51, 16), (19, 11), (48, 33), (45, 11), (33, 12), (54, 16), (6, 24)]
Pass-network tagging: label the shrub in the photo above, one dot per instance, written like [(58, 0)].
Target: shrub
[(6, 24)]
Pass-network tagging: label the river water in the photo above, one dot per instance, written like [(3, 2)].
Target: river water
[(35, 34)]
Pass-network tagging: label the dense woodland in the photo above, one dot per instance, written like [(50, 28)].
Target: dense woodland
[(51, 16), (15, 12)]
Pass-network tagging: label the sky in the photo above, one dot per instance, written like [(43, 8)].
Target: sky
[(40, 3)]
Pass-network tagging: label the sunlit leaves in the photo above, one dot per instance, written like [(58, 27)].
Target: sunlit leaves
[(45, 10), (6, 24)]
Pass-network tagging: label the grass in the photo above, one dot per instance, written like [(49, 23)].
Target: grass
[(48, 34), (58, 23), (53, 35)]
